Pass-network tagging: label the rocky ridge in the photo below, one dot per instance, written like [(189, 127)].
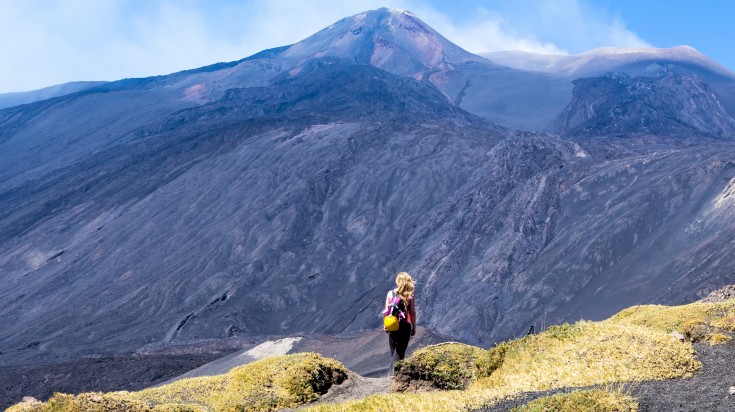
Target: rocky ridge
[(669, 105)]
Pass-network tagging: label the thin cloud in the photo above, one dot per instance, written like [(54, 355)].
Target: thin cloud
[(487, 32), (56, 41)]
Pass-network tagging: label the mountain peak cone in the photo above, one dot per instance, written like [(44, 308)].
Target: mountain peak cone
[(393, 40)]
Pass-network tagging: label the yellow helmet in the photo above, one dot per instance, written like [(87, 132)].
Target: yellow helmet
[(390, 323)]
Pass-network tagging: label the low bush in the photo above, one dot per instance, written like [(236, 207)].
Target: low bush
[(633, 345), (490, 360), (443, 366), (719, 339), (727, 322), (269, 384)]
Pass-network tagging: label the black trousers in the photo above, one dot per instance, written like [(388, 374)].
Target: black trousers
[(398, 342)]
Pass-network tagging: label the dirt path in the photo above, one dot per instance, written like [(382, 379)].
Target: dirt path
[(355, 387), (707, 390)]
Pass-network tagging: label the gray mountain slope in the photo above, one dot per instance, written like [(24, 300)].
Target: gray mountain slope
[(667, 105), (277, 201), (43, 136), (279, 185), (18, 98)]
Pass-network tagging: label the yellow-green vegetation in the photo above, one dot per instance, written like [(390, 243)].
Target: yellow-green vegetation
[(675, 318), (449, 365), (727, 322), (582, 401), (269, 384), (590, 353), (91, 401), (719, 339), (583, 354), (444, 366), (491, 359)]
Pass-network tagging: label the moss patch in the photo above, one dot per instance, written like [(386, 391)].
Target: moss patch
[(491, 359), (582, 401), (675, 318), (444, 366), (727, 322), (589, 353), (719, 339), (268, 384)]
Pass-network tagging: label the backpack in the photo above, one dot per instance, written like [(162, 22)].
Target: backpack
[(395, 313)]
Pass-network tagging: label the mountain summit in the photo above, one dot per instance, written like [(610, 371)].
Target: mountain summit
[(393, 40)]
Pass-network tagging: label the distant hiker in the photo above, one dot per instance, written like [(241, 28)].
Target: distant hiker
[(400, 304)]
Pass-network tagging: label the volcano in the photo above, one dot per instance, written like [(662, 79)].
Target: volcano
[(279, 194)]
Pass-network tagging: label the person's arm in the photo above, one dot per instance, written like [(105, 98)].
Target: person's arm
[(412, 312)]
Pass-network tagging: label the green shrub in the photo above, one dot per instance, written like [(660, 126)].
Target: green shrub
[(443, 366)]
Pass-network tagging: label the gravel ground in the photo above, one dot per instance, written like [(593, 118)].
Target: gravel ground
[(356, 387), (707, 390)]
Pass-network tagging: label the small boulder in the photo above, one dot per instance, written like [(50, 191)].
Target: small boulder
[(732, 390), (678, 336)]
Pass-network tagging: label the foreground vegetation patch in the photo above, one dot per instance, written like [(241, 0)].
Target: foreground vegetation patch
[(582, 401), (269, 384), (443, 366), (589, 353), (633, 345), (676, 318), (583, 354)]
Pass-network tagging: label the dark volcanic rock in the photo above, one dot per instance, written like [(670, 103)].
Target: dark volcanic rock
[(667, 105), (721, 295)]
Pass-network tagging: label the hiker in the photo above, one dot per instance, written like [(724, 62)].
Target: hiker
[(401, 303)]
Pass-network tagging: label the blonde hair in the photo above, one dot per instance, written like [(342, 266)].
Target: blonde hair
[(405, 285)]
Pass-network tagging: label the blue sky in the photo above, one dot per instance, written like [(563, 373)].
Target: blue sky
[(48, 42)]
